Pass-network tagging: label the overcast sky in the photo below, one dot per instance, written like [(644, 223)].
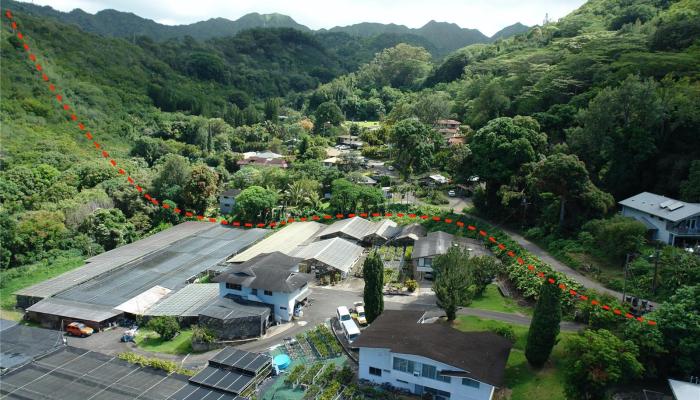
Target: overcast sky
[(488, 16)]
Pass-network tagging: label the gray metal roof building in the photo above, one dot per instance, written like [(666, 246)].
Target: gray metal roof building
[(171, 267), (284, 240), (435, 243), (188, 301), (105, 262), (357, 228), (336, 253), (20, 344), (72, 373), (662, 206), (438, 242)]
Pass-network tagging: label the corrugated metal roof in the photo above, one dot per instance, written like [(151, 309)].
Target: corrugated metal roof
[(672, 210), (105, 262), (284, 240), (226, 309), (74, 309), (20, 344), (435, 243), (172, 267), (337, 253), (188, 301), (355, 227)]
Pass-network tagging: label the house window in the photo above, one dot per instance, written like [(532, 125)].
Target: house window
[(443, 378), (430, 371), (436, 394), (268, 293), (470, 382), (233, 286), (375, 371), (254, 292), (403, 365)]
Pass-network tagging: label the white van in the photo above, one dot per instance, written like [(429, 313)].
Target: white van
[(343, 314), (350, 330)]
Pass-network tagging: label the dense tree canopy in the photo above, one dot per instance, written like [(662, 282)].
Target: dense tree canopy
[(597, 359), (255, 204), (416, 144), (453, 281), (501, 147)]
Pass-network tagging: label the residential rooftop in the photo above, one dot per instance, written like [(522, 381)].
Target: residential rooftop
[(274, 271), (480, 355), (662, 206)]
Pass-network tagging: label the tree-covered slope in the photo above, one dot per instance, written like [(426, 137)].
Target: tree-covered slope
[(439, 38), (605, 80)]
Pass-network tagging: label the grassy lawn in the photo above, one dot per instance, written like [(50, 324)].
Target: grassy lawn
[(362, 124), (15, 279), (151, 341), (492, 300), (525, 382)]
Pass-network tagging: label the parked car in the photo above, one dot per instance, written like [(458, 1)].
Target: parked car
[(79, 329), (343, 314), (361, 317), (452, 193), (350, 330)]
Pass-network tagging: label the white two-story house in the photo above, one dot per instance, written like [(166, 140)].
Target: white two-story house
[(273, 279), (400, 350), (668, 220)]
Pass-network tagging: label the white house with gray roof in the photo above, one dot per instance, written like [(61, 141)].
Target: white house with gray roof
[(273, 279), (668, 220)]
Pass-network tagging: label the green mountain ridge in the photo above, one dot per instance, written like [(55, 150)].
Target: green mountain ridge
[(443, 37)]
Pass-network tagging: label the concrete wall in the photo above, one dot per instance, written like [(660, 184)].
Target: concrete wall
[(383, 359), (283, 303), (235, 328)]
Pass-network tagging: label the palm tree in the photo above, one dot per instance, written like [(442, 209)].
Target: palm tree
[(302, 193)]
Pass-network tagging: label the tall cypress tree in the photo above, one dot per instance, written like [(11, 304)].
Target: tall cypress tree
[(544, 327), (373, 271)]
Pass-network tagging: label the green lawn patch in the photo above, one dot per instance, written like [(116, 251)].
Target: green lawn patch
[(14, 279), (151, 341), (362, 124), (525, 382), (492, 300)]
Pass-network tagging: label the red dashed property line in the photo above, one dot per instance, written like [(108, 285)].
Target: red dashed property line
[(81, 127)]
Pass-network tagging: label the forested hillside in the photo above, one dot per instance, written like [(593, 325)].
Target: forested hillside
[(439, 38), (606, 98)]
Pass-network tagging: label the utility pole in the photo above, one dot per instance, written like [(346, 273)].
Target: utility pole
[(624, 281), (656, 269)]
